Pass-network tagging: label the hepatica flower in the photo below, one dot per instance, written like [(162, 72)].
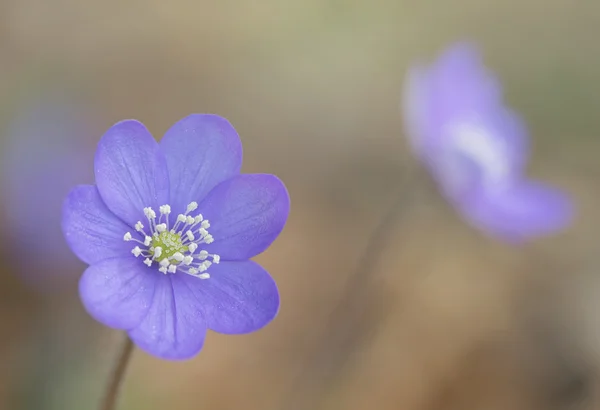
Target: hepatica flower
[(477, 149), (168, 231), (44, 153)]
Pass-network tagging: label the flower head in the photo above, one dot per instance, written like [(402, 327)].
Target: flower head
[(45, 153), (476, 148), (168, 231)]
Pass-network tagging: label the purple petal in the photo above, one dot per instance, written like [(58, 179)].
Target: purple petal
[(458, 92), (527, 210), (92, 231), (202, 150), (246, 214), (131, 172), (174, 327), (44, 154), (118, 292), (463, 84), (239, 297)]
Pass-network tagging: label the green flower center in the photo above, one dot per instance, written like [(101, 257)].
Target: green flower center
[(170, 243)]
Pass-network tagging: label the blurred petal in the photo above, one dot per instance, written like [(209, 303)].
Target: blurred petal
[(131, 172), (527, 210), (457, 92), (239, 297), (118, 292), (463, 85), (202, 150), (246, 214), (174, 327), (92, 231), (44, 153)]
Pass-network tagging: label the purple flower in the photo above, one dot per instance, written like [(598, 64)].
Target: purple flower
[(44, 155), (168, 231), (477, 149)]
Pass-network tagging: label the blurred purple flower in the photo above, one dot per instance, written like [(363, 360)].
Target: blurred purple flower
[(477, 149), (159, 269), (44, 155)]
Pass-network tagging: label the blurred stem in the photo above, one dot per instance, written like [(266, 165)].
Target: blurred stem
[(353, 317), (114, 384)]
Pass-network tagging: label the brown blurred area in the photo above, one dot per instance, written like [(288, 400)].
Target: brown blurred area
[(448, 318)]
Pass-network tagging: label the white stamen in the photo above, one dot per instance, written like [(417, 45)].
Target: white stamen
[(190, 235), (165, 209), (174, 250), (178, 256)]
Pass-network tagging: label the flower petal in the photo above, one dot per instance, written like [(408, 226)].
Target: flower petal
[(118, 292), (92, 231), (239, 297), (202, 150), (462, 83), (527, 210), (131, 172), (174, 327), (246, 214)]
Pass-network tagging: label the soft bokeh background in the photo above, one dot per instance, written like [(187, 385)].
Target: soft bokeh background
[(440, 318)]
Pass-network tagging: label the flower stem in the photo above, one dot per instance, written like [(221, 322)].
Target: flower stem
[(109, 401), (351, 322)]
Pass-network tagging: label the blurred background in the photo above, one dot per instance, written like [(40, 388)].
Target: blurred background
[(441, 317)]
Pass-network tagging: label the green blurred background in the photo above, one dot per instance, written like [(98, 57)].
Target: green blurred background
[(448, 318)]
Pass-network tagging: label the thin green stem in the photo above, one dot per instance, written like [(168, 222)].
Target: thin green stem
[(109, 402)]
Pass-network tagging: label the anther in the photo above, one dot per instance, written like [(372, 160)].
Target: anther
[(178, 256), (192, 206), (165, 209), (136, 251), (190, 235), (127, 237)]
